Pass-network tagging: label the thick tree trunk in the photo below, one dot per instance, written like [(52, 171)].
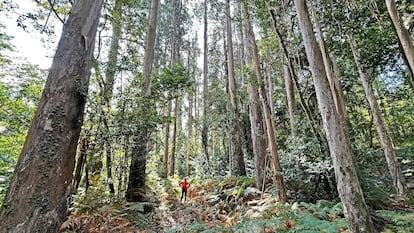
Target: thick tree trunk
[(136, 183), (239, 166), (39, 193), (331, 74), (349, 189), (270, 122), (386, 141), (406, 41), (149, 48)]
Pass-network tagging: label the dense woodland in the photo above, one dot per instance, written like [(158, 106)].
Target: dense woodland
[(285, 116)]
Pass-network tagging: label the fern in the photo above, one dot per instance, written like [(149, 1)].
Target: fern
[(397, 218)]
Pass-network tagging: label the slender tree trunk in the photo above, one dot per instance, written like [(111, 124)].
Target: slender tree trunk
[(321, 138), (39, 193), (258, 135), (204, 134), (349, 189), (174, 139), (113, 51), (80, 164), (108, 150), (404, 38), (270, 123), (239, 166), (290, 97), (386, 141), (166, 143)]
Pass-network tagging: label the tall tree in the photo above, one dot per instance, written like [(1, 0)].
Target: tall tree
[(406, 41), (37, 199), (204, 133), (385, 138), (290, 97), (238, 159), (109, 86), (269, 118), (149, 48), (166, 142), (349, 189), (136, 183), (174, 139)]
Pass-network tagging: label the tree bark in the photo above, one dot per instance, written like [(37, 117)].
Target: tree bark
[(404, 37), (149, 48), (239, 166), (349, 189), (136, 183), (204, 134), (290, 97), (113, 51), (166, 143), (270, 123), (258, 135), (386, 141), (333, 77), (174, 139), (80, 163), (39, 193)]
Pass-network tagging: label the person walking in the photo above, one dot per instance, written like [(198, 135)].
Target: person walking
[(184, 186)]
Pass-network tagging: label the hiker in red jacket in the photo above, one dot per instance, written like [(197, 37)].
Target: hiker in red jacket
[(184, 186)]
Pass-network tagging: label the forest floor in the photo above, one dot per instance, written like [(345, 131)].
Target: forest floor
[(219, 205)]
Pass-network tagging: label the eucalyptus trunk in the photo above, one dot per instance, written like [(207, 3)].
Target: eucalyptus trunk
[(331, 74), (38, 197), (166, 143), (386, 141), (269, 118), (404, 37), (204, 134), (149, 48), (290, 97), (258, 135), (174, 139), (349, 189), (136, 183), (238, 159)]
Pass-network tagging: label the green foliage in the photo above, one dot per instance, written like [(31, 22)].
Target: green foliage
[(171, 80), (397, 221), (20, 93), (308, 173)]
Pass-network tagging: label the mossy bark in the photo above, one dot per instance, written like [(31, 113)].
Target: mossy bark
[(39, 193)]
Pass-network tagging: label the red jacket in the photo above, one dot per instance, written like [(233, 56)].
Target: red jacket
[(184, 185)]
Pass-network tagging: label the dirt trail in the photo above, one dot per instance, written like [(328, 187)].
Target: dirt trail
[(172, 215)]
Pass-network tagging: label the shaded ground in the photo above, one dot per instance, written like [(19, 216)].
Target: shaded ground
[(219, 205)]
